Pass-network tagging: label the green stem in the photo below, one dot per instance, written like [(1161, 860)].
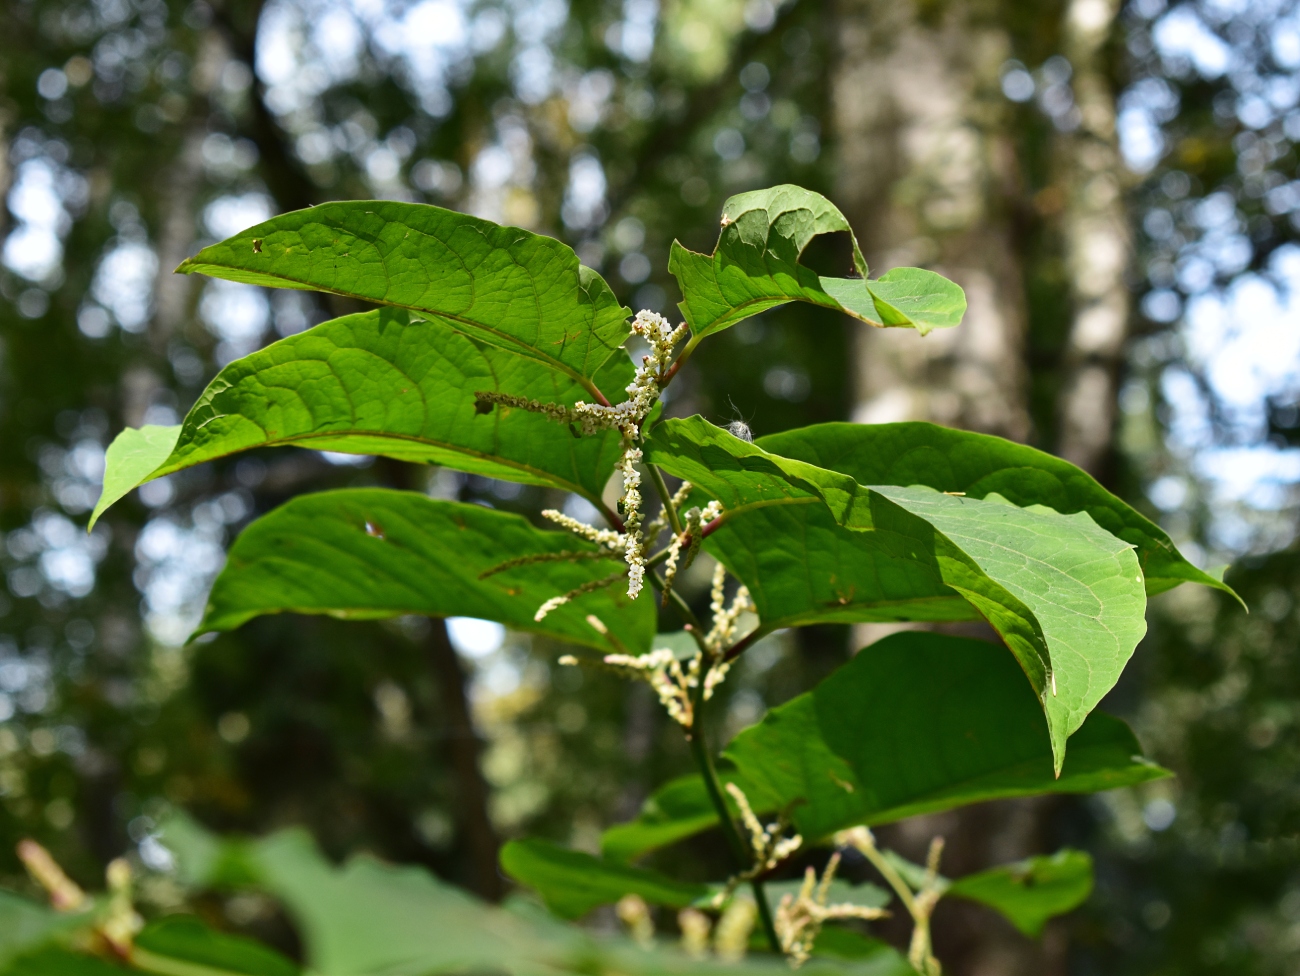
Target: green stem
[(657, 477), (765, 915), (694, 627), (709, 773)]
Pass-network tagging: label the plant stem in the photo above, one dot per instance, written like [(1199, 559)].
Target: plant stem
[(699, 747), (704, 761), (693, 625), (657, 477)]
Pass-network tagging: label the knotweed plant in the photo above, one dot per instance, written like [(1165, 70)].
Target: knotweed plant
[(492, 351)]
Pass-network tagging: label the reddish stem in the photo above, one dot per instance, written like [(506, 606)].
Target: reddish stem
[(713, 526)]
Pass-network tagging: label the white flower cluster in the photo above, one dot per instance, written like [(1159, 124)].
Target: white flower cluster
[(723, 633), (626, 417), (690, 536), (769, 845), (799, 919), (634, 551), (666, 676)]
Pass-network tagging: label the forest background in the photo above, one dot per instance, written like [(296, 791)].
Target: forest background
[(1115, 188)]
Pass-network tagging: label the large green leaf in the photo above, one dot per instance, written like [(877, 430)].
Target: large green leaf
[(1032, 891), (364, 918), (916, 723), (368, 553), (755, 266), (978, 465), (382, 383), (177, 941), (572, 883), (1065, 595), (502, 285)]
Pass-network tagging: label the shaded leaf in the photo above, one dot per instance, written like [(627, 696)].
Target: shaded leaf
[(678, 809), (572, 883), (841, 892), (369, 553), (755, 266), (1065, 595), (365, 917), (877, 957), (1032, 891), (502, 285), (61, 962), (184, 939), (382, 383), (916, 723), (25, 925), (918, 453)]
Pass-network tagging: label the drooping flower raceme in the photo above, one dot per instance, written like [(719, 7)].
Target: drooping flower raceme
[(627, 418)]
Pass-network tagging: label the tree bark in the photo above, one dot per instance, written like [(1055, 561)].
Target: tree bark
[(1098, 247), (924, 170), (928, 175)]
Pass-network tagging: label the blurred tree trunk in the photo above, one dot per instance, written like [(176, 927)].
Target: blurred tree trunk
[(1097, 246), (928, 175), (926, 170)]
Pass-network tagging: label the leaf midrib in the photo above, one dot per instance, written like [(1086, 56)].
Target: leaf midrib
[(380, 435), (509, 342)]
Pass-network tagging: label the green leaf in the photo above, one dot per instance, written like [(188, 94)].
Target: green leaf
[(363, 918), (382, 383), (131, 460), (369, 553), (755, 266), (917, 453), (678, 809), (501, 285), (185, 940), (876, 958), (1032, 891), (54, 961), (367, 917), (959, 725), (25, 925), (572, 883), (1065, 595), (841, 892)]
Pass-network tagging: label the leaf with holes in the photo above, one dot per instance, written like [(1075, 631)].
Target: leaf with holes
[(382, 383), (755, 266), (501, 285), (369, 553)]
